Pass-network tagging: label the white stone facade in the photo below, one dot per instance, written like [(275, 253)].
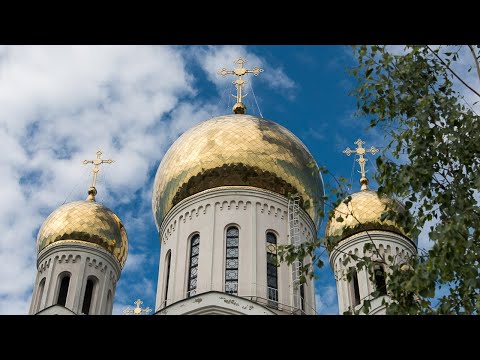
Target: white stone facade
[(216, 303), (82, 262), (388, 243), (255, 212)]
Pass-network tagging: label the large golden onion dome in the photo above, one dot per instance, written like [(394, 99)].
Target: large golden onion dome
[(363, 212), (240, 150), (88, 222)]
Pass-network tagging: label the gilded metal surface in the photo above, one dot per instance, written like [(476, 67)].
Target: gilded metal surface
[(85, 221), (363, 212), (239, 71), (236, 150), (96, 162), (361, 151), (137, 310)]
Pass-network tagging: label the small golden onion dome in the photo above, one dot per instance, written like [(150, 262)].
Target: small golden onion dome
[(238, 150), (87, 222), (363, 212)]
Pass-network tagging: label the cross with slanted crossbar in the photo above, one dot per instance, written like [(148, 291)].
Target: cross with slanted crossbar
[(239, 71), (361, 151), (93, 191), (137, 310)]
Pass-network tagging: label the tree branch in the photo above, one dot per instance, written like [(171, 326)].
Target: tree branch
[(476, 60), (453, 72)]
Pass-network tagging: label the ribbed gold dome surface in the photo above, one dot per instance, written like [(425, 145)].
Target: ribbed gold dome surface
[(85, 221), (236, 150), (362, 213)]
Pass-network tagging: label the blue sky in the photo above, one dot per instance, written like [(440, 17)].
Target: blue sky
[(60, 104)]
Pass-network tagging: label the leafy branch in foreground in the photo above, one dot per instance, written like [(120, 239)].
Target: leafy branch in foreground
[(416, 98)]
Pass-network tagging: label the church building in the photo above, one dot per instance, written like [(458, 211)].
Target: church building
[(226, 194)]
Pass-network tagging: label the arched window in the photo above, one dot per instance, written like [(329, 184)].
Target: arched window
[(167, 275), (231, 261), (193, 270), (354, 289), (40, 289), (63, 292), (87, 298), (380, 284), (272, 270)]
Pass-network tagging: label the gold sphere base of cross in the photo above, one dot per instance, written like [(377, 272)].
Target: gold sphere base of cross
[(364, 182), (239, 108), (91, 193)]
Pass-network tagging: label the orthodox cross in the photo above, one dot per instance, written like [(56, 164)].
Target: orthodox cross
[(361, 151), (137, 310), (93, 191), (239, 71)]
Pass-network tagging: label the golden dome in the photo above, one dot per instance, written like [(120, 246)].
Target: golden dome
[(363, 212), (85, 221), (236, 150)]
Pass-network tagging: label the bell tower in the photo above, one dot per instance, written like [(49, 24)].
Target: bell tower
[(81, 247), (356, 223)]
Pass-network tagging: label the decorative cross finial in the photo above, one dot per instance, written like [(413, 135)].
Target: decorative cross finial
[(239, 71), (93, 191), (361, 151), (137, 310)]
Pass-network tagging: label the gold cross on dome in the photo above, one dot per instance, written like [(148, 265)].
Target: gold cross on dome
[(239, 71), (361, 151), (96, 162), (137, 310)]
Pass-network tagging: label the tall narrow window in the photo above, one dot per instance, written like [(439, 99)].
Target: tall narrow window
[(380, 284), (63, 292), (40, 289), (87, 299), (193, 271), (272, 271), (302, 291), (231, 261), (354, 289), (302, 296), (167, 279)]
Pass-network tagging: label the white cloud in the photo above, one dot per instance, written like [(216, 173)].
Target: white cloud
[(60, 104), (134, 262), (14, 305), (326, 300), (119, 307)]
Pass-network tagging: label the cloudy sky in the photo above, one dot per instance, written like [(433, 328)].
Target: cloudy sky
[(60, 104)]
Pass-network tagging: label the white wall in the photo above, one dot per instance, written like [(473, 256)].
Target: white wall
[(387, 243), (83, 261), (255, 212)]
